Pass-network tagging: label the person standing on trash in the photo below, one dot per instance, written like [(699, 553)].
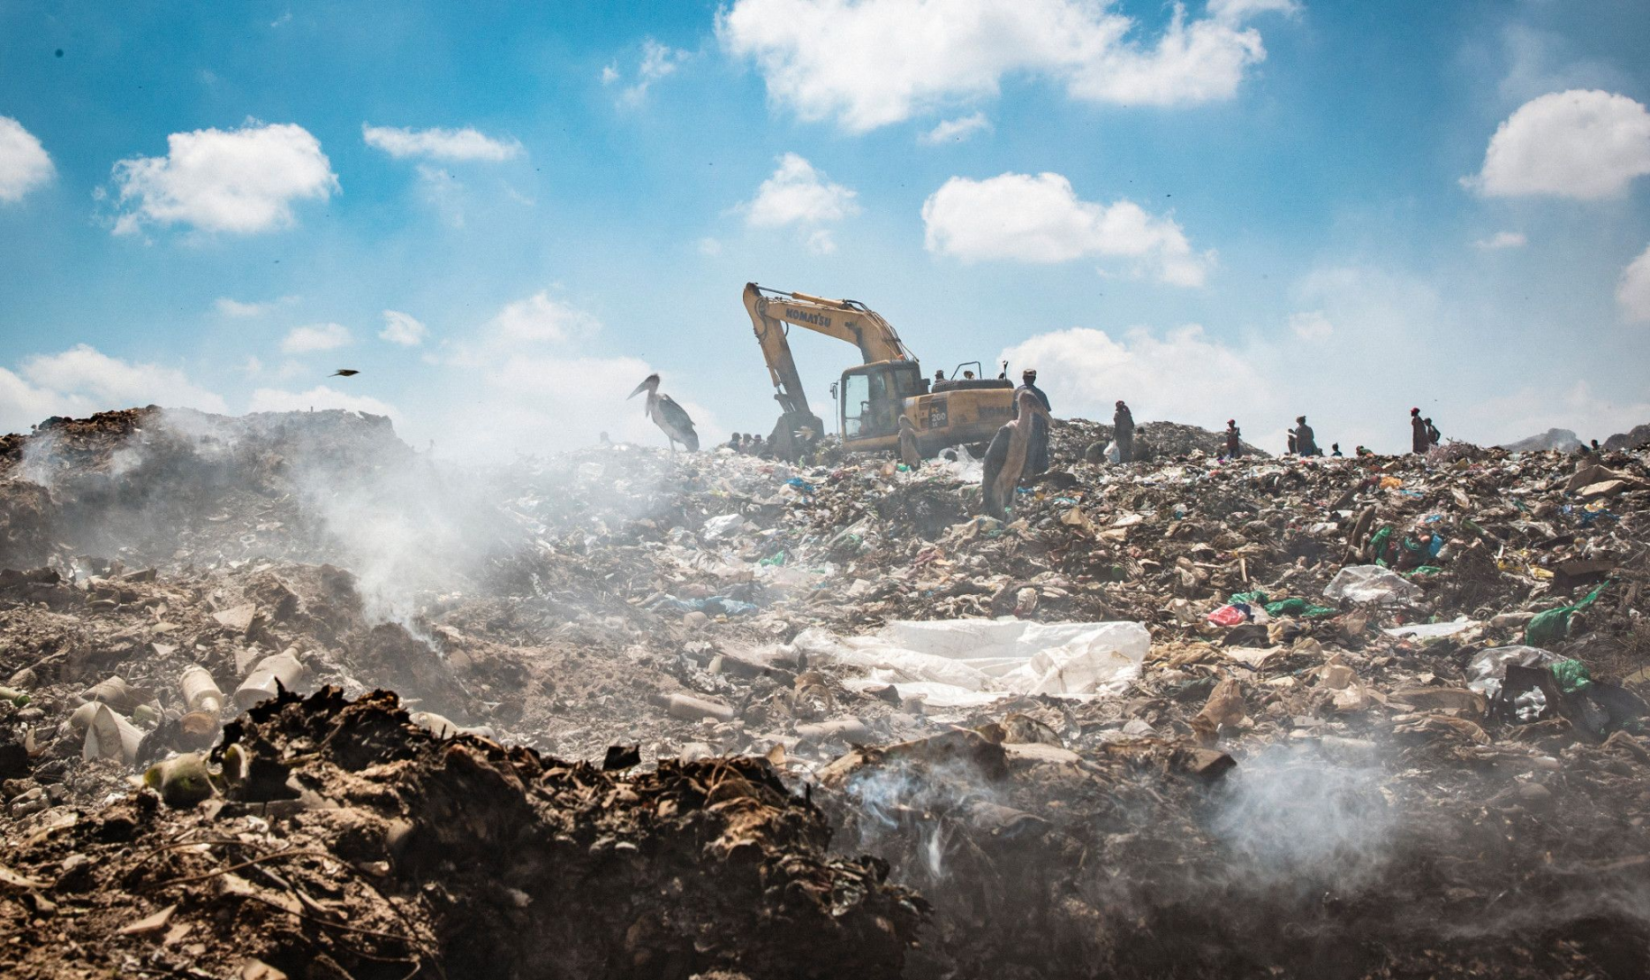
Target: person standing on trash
[(1306, 442), (1433, 435), (1122, 432), (1141, 449), (1291, 451), (1419, 441), (1037, 455), (1335, 449), (1234, 441)]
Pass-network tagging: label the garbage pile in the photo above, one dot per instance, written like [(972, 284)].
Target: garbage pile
[(348, 840), (1333, 717)]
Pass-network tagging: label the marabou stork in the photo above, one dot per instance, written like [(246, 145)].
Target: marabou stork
[(667, 415), (1005, 458), (909, 452)]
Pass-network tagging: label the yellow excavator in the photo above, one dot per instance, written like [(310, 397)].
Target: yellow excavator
[(872, 397)]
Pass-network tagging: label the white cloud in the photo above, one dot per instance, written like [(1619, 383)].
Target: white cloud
[(957, 130), (1531, 409), (1633, 291), (1265, 378), (402, 328), (83, 380), (443, 192), (875, 62), (1580, 144), (798, 194), (229, 307), (658, 61), (235, 308), (708, 247), (1039, 218), (242, 181), (1234, 11), (517, 389), (1502, 239), (543, 402), (820, 242), (315, 337), (24, 163), (1200, 61), (1311, 326), (1182, 375), (539, 319), (319, 398), (467, 144)]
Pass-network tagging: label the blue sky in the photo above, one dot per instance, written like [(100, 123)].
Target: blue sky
[(505, 215)]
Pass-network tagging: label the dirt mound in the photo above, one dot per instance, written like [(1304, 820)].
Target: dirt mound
[(1560, 440), (357, 844)]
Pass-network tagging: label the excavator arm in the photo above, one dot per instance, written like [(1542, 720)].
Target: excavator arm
[(771, 310)]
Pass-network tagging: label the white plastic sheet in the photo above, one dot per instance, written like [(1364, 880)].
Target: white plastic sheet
[(965, 662), (1488, 668), (1371, 583), (1429, 631), (721, 527)]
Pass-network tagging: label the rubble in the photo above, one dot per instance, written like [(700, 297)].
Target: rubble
[(1374, 717)]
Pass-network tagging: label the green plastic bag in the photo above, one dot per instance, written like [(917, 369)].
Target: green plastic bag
[(1298, 607), (1255, 598), (775, 559), (1378, 545), (1554, 624), (1571, 675)]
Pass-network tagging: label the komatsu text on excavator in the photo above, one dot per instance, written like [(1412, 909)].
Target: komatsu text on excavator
[(890, 383)]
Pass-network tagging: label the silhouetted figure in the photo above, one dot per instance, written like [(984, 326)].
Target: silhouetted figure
[(1306, 442), (1122, 432), (1037, 461)]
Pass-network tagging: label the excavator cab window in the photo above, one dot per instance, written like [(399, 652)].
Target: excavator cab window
[(856, 405), (873, 394)]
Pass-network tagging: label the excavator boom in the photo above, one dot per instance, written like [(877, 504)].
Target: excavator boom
[(771, 309)]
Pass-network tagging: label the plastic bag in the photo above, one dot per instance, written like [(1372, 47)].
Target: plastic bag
[(1554, 624), (1298, 607), (1488, 668), (721, 527), (1370, 583), (964, 662)]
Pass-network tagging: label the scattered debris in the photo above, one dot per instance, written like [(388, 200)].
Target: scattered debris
[(702, 713)]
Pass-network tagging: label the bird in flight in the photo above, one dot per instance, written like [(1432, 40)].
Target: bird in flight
[(344, 373)]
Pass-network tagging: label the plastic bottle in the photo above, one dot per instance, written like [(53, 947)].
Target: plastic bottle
[(260, 684), (200, 691)]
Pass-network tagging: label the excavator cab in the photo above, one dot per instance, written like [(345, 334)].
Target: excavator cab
[(873, 394)]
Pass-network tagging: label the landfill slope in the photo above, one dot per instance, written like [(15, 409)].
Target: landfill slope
[(1389, 724)]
